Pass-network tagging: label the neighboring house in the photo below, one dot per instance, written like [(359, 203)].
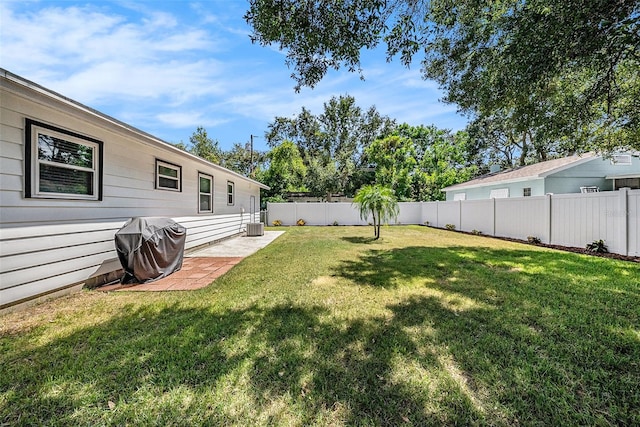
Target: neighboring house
[(71, 176), (575, 174)]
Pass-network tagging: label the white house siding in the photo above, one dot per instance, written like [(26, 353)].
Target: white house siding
[(49, 244), (588, 174)]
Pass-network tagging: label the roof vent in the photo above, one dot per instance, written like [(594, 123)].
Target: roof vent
[(621, 159)]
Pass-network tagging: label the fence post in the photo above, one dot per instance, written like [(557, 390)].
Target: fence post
[(548, 218), (493, 219), (623, 208)]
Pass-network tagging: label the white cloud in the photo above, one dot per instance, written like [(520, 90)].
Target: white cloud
[(167, 67)]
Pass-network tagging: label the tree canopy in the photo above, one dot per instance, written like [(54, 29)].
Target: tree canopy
[(332, 144), (418, 161), (205, 147), (555, 70)]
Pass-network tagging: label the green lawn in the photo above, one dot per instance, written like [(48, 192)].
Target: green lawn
[(326, 327)]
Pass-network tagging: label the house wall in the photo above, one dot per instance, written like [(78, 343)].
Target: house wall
[(588, 174), (515, 190), (591, 173), (50, 244)]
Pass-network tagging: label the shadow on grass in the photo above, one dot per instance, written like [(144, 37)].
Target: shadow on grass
[(359, 239), (554, 329), (532, 346), (279, 365)]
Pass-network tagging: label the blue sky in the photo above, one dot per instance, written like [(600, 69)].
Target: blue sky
[(167, 67)]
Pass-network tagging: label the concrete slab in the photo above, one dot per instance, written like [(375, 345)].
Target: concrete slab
[(238, 246)]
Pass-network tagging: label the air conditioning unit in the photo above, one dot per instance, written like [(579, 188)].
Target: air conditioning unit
[(255, 229)]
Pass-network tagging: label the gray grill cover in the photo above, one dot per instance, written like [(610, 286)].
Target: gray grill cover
[(150, 248)]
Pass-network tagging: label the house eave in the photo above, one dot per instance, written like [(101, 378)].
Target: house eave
[(625, 176), (494, 183)]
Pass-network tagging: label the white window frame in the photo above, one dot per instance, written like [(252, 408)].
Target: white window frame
[(460, 196), (177, 178), (201, 193), (231, 193), (32, 185)]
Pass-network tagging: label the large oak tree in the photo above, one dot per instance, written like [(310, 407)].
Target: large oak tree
[(557, 69)]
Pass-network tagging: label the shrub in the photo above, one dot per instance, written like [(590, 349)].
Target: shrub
[(450, 227), (277, 223), (534, 240), (301, 222), (476, 232), (597, 246)]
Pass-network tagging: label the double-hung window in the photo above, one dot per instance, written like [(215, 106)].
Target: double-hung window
[(168, 176), (205, 193), (61, 164), (230, 193)]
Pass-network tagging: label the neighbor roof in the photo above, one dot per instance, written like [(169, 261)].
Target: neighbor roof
[(523, 173)]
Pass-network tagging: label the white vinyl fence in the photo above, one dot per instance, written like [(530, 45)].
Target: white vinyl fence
[(563, 219)]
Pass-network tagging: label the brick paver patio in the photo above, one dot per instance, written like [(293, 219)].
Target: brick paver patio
[(196, 273)]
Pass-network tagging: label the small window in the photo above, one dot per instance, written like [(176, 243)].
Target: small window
[(205, 193), (526, 192), (460, 196), (61, 164), (168, 176), (621, 159), (230, 193)]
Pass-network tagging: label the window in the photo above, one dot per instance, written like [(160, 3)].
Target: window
[(168, 176), (632, 183), (460, 196), (230, 192), (205, 193), (61, 164), (526, 192)]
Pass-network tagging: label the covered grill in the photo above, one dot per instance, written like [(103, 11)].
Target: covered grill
[(150, 248)]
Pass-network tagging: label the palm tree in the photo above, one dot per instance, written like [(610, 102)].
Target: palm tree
[(379, 202)]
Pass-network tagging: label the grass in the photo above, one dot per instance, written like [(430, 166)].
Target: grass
[(327, 327)]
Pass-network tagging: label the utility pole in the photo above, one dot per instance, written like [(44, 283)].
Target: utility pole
[(251, 157)]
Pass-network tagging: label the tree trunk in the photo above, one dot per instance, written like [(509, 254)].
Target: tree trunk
[(525, 150)]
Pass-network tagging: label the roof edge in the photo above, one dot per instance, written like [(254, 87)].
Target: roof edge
[(8, 75)]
